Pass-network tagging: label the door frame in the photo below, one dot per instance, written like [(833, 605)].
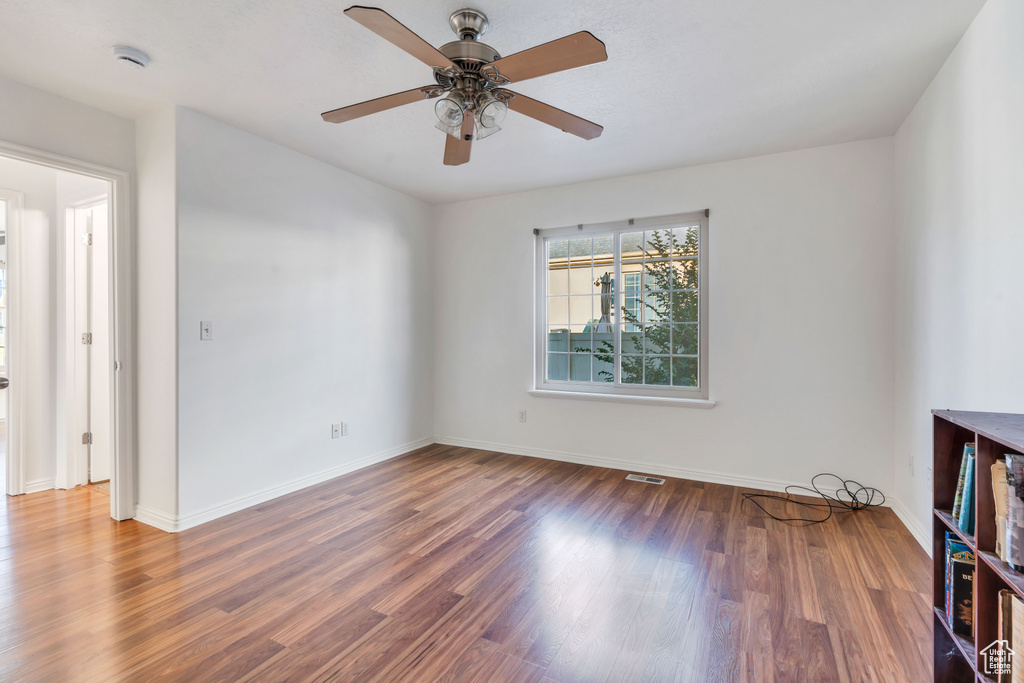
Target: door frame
[(120, 274)]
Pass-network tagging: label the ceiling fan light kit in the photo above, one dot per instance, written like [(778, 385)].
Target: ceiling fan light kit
[(470, 79)]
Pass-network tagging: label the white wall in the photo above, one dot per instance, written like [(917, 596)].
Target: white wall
[(801, 321), (960, 243), (44, 121), (319, 286), (156, 319)]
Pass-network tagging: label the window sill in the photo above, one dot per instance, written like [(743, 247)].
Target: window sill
[(624, 398)]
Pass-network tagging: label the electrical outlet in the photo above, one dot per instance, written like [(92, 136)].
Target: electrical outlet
[(522, 416), (335, 430), (344, 428)]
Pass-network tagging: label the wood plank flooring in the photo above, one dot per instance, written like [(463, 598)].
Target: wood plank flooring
[(451, 564)]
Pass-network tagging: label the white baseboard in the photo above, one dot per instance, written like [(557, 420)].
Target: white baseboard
[(38, 485), (913, 524), (175, 524), (628, 465), (156, 519)]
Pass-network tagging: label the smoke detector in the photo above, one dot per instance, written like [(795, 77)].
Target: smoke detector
[(135, 58)]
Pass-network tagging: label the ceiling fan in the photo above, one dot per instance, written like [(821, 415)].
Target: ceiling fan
[(471, 78)]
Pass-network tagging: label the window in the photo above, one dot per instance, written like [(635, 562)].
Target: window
[(622, 308)]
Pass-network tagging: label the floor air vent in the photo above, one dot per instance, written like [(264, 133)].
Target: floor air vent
[(644, 478)]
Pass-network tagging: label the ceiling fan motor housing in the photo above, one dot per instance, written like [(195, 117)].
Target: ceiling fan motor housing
[(468, 24)]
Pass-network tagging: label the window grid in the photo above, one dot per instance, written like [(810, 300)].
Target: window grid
[(659, 305)]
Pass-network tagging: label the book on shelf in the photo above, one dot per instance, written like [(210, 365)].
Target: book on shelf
[(1013, 542), (1000, 498), (966, 520), (1017, 636), (959, 584), (958, 499), (1005, 602)]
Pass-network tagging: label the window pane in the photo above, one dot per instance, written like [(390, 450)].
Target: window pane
[(558, 281), (657, 370), (581, 309), (684, 307), (658, 275), (581, 249), (657, 307), (684, 274), (579, 367), (632, 339), (604, 254), (580, 339), (604, 278), (632, 369), (684, 339), (656, 339), (558, 310), (558, 267), (558, 366), (658, 244), (603, 367), (631, 247), (685, 241), (558, 339), (604, 341), (581, 279), (684, 372)]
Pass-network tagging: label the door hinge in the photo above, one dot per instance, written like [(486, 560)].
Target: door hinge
[(87, 337), (87, 239), (117, 365), (87, 438)]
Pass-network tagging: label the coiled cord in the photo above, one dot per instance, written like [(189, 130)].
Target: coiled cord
[(851, 495)]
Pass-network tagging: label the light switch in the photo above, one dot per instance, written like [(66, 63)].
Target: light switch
[(206, 330)]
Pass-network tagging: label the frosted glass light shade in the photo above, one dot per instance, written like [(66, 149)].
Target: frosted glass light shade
[(491, 111), (449, 110)]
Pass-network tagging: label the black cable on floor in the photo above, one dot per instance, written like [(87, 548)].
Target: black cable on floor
[(851, 495)]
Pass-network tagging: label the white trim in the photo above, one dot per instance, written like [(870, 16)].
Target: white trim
[(122, 475), (156, 519), (176, 524), (38, 485), (913, 524), (623, 398)]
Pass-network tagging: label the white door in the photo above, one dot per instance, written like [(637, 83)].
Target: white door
[(99, 351), (92, 372)]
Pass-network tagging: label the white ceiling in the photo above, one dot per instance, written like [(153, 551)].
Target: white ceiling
[(686, 81)]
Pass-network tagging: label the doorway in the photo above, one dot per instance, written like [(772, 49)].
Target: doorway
[(65, 326), (89, 371)]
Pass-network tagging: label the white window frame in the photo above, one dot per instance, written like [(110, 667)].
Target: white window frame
[(617, 390)]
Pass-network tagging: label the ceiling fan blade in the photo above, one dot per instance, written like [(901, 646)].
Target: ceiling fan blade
[(355, 111), (393, 31), (456, 152), (545, 113), (578, 49)]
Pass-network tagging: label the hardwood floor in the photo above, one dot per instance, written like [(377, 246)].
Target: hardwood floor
[(451, 564)]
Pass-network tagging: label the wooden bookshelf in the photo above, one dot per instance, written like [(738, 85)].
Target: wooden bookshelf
[(956, 658)]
